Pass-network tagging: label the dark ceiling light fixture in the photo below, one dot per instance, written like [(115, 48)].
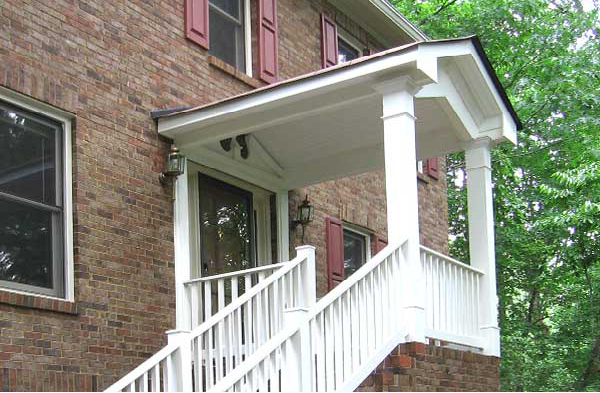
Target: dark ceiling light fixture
[(175, 166), (305, 215), (241, 140)]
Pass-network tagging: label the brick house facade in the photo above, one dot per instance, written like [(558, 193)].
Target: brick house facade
[(109, 64)]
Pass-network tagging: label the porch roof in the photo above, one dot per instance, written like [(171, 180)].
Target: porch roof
[(327, 124)]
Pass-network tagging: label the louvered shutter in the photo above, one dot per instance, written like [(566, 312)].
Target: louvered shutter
[(196, 21), (335, 252), (267, 40), (329, 42), (432, 167), (380, 243)]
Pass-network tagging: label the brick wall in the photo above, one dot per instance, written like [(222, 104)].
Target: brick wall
[(416, 367), (110, 62)]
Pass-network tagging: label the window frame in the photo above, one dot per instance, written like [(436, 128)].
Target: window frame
[(246, 25), (362, 233), (350, 41), (63, 121)]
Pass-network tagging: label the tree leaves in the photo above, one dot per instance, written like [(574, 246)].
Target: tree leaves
[(546, 189)]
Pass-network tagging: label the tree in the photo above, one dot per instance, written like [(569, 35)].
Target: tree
[(546, 189)]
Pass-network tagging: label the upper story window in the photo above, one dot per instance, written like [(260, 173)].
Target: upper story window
[(228, 32), (32, 203), (346, 51)]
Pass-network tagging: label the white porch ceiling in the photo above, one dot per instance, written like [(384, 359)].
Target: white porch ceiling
[(328, 124)]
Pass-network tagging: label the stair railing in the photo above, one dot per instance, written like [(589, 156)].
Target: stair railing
[(209, 295), (197, 360), (337, 343), (452, 299)]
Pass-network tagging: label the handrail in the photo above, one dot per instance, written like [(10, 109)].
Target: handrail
[(365, 269), (452, 260), (236, 273)]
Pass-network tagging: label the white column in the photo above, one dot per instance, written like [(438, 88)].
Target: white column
[(401, 194), (283, 226), (481, 238), (183, 264), (297, 364)]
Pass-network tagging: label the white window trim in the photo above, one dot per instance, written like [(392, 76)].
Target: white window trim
[(420, 167), (66, 119)]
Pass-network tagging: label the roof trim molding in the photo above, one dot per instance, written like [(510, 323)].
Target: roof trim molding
[(394, 15)]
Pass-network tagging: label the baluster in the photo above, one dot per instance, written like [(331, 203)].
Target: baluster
[(329, 347), (228, 346), (236, 325), (165, 376), (210, 366), (220, 294), (155, 375), (338, 338), (346, 326), (207, 300), (197, 356), (194, 305), (320, 331)]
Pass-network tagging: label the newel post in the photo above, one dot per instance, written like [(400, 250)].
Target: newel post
[(180, 369), (309, 277), (297, 368), (481, 238), (399, 136)]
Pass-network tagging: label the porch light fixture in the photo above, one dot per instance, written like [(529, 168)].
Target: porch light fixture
[(175, 163), (305, 215)]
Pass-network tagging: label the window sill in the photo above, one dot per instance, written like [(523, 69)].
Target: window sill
[(229, 69), (37, 302)]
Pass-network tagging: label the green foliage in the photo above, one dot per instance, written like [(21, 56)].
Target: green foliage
[(546, 189)]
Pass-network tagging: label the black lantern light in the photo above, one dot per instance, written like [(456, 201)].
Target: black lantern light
[(305, 215), (175, 165)]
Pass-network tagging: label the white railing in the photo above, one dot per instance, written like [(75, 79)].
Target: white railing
[(452, 293), (336, 344), (209, 295), (203, 357)]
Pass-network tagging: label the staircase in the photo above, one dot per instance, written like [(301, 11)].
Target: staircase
[(276, 337)]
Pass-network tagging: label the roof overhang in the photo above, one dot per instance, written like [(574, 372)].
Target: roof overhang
[(382, 20), (327, 124)]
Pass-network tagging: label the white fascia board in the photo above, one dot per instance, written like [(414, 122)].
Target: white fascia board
[(173, 126), (507, 130), (400, 20)]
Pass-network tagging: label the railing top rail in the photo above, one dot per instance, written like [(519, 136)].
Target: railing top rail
[(365, 269), (236, 273), (142, 368), (451, 260), (210, 322)]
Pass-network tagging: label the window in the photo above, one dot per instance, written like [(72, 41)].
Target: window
[(227, 31), (346, 51), (356, 246), (34, 214)]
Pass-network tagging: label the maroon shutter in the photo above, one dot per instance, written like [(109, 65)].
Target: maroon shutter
[(380, 243), (335, 252), (329, 42), (267, 40), (432, 167), (196, 21)]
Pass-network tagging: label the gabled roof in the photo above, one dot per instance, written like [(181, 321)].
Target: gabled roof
[(169, 113)]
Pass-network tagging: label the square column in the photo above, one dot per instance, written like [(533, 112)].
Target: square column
[(481, 238), (183, 263), (402, 197)]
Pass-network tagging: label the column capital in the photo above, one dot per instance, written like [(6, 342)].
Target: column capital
[(401, 84), (478, 154)]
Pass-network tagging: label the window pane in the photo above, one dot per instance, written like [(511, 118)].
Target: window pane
[(25, 245), (354, 252), (227, 40), (28, 157), (346, 52), (232, 7), (225, 227)]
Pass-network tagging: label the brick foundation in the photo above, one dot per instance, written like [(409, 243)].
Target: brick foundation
[(419, 367)]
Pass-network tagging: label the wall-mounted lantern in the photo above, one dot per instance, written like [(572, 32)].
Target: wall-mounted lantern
[(305, 215), (175, 165)]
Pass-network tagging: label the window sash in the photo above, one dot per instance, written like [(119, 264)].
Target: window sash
[(57, 212)]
